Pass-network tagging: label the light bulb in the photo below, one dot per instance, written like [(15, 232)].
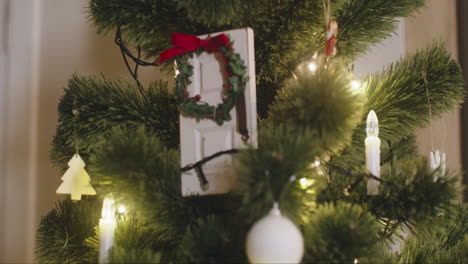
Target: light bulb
[(356, 85), (312, 66), (372, 128), (314, 164), (317, 163), (356, 261), (121, 209), (305, 183), (108, 208), (175, 69)]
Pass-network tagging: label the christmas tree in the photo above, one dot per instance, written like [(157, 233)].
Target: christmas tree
[(333, 200)]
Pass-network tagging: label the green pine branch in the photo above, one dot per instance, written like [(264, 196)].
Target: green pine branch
[(321, 101), (407, 196), (143, 174), (286, 32), (363, 23), (340, 233), (63, 231), (398, 95), (100, 105), (446, 242), (133, 241)]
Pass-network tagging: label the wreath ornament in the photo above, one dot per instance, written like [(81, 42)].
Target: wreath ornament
[(184, 48)]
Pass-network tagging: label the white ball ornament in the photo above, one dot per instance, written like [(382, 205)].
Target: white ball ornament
[(275, 239)]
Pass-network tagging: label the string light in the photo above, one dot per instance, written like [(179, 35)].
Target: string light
[(312, 66), (356, 85), (175, 69), (317, 163), (306, 183), (121, 209), (356, 261)]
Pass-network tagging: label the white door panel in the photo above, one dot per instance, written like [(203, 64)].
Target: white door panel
[(202, 138)]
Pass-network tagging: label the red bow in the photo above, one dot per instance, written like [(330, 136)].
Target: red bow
[(187, 43)]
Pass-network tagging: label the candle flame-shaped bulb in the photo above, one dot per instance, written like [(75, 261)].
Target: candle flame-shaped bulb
[(372, 125), (108, 208)]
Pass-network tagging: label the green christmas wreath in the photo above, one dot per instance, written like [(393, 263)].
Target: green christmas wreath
[(185, 47)]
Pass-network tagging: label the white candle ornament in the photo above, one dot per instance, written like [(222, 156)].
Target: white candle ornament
[(275, 239), (76, 180), (107, 226), (372, 143), (437, 160)]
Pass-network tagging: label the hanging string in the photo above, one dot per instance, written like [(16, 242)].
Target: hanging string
[(424, 75), (443, 132), (327, 10), (75, 113), (285, 188)]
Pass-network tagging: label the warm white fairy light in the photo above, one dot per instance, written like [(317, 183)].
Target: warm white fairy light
[(121, 209), (306, 183), (356, 85), (317, 163), (312, 66), (356, 261), (175, 69)]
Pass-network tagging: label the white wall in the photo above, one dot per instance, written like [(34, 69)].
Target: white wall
[(438, 20), (18, 128), (42, 43)]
